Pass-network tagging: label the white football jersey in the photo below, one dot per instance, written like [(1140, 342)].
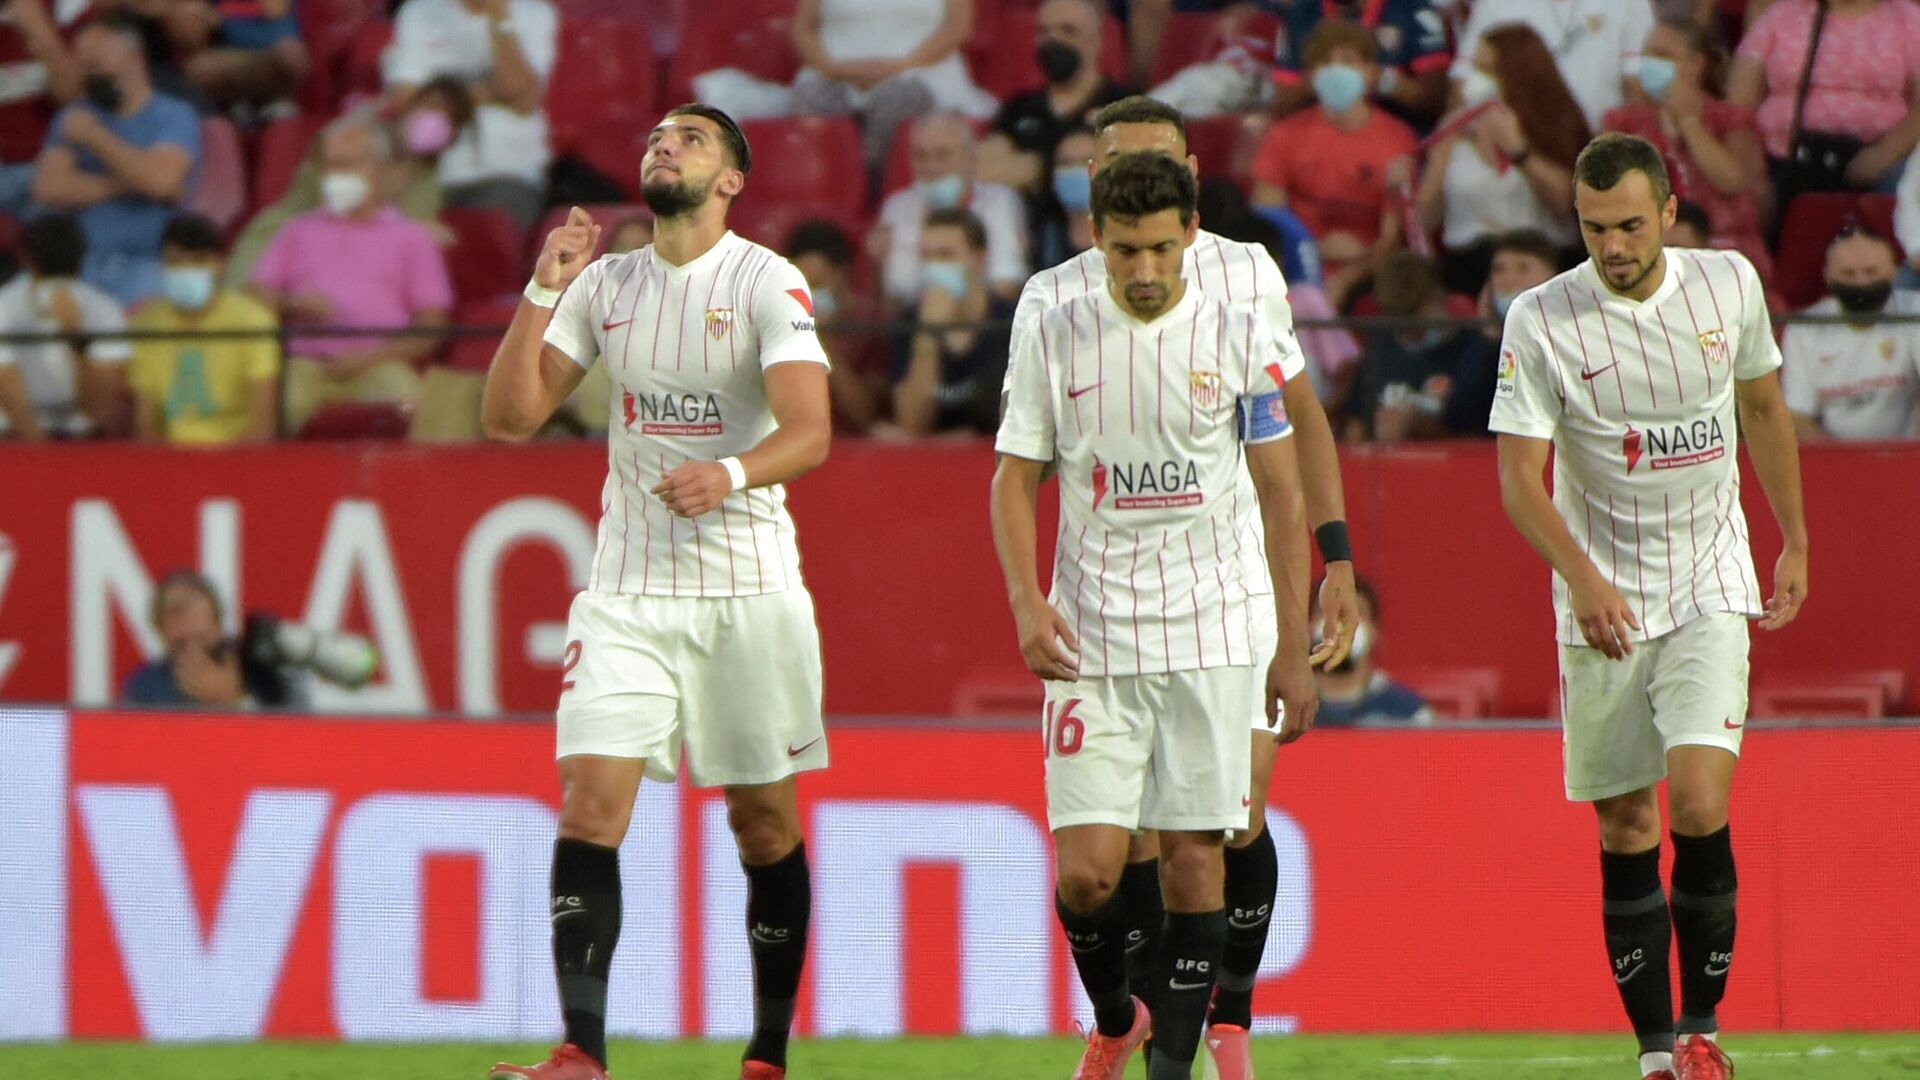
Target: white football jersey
[(1146, 421), (688, 388), (1638, 399), (1859, 382), (1243, 276)]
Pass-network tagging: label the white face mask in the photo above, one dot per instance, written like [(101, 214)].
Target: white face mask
[(1477, 88), (344, 192)]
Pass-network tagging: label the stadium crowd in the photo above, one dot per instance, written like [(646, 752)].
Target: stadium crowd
[(349, 180)]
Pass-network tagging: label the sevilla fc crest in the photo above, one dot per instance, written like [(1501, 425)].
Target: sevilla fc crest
[(1713, 344), (719, 321)]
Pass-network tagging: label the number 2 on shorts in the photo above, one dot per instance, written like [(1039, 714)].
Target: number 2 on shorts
[(567, 663), (1065, 731)]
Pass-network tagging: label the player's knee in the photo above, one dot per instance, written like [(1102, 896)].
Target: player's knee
[(1085, 888), (1628, 823), (1192, 872), (1696, 812), (763, 833), (594, 816)]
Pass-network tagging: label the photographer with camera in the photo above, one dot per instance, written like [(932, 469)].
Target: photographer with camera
[(202, 666)]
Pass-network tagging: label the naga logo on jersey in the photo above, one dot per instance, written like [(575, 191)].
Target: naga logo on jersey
[(719, 321), (1713, 343), (673, 414), (1675, 446), (1205, 388), (1146, 485)]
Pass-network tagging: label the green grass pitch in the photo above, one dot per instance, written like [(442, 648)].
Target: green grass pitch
[(1313, 1057)]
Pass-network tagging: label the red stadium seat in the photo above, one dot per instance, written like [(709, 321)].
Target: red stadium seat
[(328, 28), (1454, 693), (474, 352), (1807, 225), (747, 34), (1014, 693), (1005, 66), (358, 420), (220, 190), (283, 147), (1226, 145), (1191, 37), (603, 85), (485, 260), (1848, 695), (811, 161), (360, 65), (768, 223)]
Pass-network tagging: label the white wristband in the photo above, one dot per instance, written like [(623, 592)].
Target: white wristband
[(736, 472), (539, 295)]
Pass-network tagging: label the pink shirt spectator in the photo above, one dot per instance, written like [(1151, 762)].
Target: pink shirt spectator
[(378, 273), (1859, 79), (1330, 349)]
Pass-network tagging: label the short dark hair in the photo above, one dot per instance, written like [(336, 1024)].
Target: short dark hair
[(1692, 213), (193, 232), (818, 236), (54, 245), (959, 217), (122, 23), (1334, 34), (1139, 109), (730, 132), (1528, 242), (1137, 185), (183, 579), (1610, 157)]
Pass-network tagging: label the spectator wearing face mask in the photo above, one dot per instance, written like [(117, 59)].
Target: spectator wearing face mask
[(949, 377), (1522, 259), (430, 120), (59, 388), (1504, 160), (120, 160), (942, 147), (1413, 54), (1861, 379), (1028, 128), (1333, 165), (1710, 145), (1356, 693), (355, 263), (1073, 188), (203, 390), (860, 378)]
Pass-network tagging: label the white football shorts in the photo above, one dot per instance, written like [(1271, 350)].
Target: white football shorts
[(1149, 751), (1620, 717), (735, 681)]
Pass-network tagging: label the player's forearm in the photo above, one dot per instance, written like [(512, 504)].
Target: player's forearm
[(1275, 468), (1776, 461), (515, 402), (1533, 514), (511, 80), (1015, 527), (1319, 457), (795, 448)]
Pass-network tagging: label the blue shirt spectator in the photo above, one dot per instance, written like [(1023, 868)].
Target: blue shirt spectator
[(121, 161)]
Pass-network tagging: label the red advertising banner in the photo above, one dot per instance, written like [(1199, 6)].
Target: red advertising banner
[(460, 562), (189, 877)]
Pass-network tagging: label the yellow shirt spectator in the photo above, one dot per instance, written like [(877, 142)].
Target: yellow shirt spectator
[(216, 390)]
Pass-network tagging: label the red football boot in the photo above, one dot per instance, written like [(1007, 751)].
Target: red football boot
[(1699, 1058), (568, 1062), (1106, 1058)]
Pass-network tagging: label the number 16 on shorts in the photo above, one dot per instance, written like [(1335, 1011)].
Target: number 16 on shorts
[(1064, 731)]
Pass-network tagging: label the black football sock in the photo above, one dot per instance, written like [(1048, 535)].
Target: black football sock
[(1142, 911), (1639, 936), (1703, 923), (1253, 873), (1097, 940), (586, 926), (779, 907), (1190, 949)]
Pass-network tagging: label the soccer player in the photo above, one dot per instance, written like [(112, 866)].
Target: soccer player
[(1639, 369), (695, 630), (1149, 394), (1245, 277)]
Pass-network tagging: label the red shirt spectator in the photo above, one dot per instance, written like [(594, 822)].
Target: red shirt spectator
[(38, 73)]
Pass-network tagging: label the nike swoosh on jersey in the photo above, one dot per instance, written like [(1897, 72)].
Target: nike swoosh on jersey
[(605, 325), (793, 751), (1731, 726), (1072, 393), (1592, 375)]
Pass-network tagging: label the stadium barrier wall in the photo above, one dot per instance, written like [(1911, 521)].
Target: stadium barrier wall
[(461, 562), (185, 877)]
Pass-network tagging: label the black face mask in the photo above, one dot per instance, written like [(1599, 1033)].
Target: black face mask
[(102, 91), (1058, 61), (1861, 299)]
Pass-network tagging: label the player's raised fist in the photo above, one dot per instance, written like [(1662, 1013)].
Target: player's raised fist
[(568, 250)]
